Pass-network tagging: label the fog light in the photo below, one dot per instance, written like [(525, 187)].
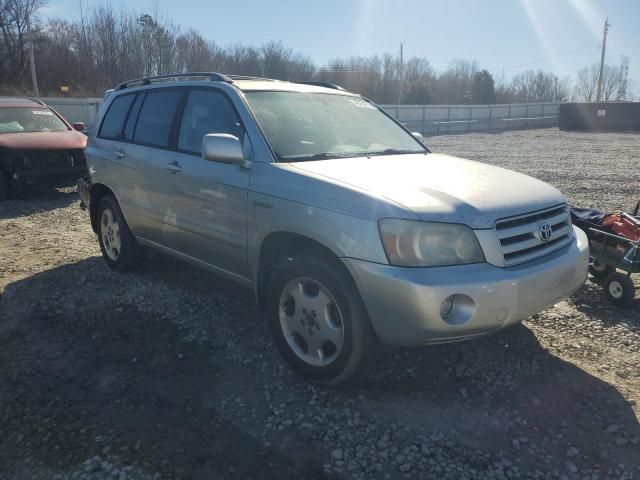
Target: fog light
[(446, 307)]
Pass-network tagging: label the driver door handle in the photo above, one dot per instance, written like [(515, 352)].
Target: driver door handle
[(174, 167), (120, 153)]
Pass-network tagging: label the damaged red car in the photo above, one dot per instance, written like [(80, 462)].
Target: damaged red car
[(37, 146)]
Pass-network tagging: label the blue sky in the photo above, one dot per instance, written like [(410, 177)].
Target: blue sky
[(497, 33)]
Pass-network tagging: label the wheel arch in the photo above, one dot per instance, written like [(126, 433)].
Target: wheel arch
[(280, 245), (97, 193)]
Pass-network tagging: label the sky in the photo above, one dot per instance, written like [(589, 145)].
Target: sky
[(559, 36)]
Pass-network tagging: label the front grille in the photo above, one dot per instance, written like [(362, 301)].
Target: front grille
[(520, 238), (46, 160)]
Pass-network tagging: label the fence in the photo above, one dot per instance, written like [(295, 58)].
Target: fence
[(440, 119), (600, 117), (427, 119), (75, 109)]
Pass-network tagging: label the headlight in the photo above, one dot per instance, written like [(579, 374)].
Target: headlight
[(409, 243)]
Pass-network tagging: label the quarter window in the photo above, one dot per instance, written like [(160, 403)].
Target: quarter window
[(206, 112), (113, 122), (156, 118)]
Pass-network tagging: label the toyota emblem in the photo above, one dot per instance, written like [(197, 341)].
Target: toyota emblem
[(545, 232)]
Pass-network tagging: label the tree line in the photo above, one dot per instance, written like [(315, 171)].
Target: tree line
[(107, 45)]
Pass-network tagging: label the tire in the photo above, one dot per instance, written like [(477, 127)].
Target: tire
[(599, 269), (619, 289), (117, 244), (327, 312), (5, 189)]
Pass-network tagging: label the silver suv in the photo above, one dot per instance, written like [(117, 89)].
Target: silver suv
[(349, 230)]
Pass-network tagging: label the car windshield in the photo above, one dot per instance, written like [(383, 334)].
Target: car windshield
[(313, 126), (20, 120)]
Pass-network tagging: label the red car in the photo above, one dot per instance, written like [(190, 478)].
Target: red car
[(37, 146)]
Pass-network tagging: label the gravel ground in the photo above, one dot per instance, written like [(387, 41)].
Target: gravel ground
[(168, 371)]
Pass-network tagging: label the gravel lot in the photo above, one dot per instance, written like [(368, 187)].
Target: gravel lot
[(168, 371)]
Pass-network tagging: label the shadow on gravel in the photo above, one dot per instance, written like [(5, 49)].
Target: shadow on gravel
[(85, 378), (37, 199), (110, 380)]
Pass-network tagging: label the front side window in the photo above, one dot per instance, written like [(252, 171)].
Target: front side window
[(156, 118), (28, 119), (114, 119), (308, 126), (206, 112)]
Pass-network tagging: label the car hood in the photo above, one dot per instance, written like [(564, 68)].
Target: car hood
[(65, 140), (439, 187)]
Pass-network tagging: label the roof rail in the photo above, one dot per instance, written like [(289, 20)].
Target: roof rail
[(250, 77), (324, 84), (212, 76)]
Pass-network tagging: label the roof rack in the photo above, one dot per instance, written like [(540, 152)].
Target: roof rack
[(249, 77), (212, 76), (323, 84)]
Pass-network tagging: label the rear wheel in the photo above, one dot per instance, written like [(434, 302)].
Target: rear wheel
[(599, 269), (117, 244), (619, 289), (5, 190), (318, 321)]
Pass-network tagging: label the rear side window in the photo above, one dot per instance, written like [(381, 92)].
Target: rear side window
[(113, 122), (156, 118), (133, 116), (206, 112)]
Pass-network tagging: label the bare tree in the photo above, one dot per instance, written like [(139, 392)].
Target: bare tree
[(587, 83), (533, 86), (107, 45), (13, 43), (453, 86)]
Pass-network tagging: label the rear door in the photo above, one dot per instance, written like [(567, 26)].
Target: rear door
[(148, 133), (107, 158), (209, 199)]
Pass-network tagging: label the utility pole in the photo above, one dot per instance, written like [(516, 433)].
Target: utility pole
[(604, 47), (32, 59), (555, 81), (401, 74)]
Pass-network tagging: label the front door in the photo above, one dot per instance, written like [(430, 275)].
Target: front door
[(209, 199)]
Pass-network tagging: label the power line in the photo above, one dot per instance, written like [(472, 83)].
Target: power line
[(553, 58)]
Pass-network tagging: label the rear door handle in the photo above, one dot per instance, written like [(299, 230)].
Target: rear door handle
[(174, 167), (120, 153)]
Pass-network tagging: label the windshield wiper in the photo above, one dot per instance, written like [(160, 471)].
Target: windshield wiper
[(319, 156), (329, 155), (394, 151)]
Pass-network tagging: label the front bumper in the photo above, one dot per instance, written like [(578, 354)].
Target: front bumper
[(404, 303), (50, 176)]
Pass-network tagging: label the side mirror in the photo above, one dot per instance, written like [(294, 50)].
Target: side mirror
[(79, 126), (222, 147), (418, 135)]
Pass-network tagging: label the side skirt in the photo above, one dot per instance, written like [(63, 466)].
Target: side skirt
[(245, 282)]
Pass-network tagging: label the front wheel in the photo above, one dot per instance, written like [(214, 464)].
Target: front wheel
[(619, 289), (318, 321), (117, 244)]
